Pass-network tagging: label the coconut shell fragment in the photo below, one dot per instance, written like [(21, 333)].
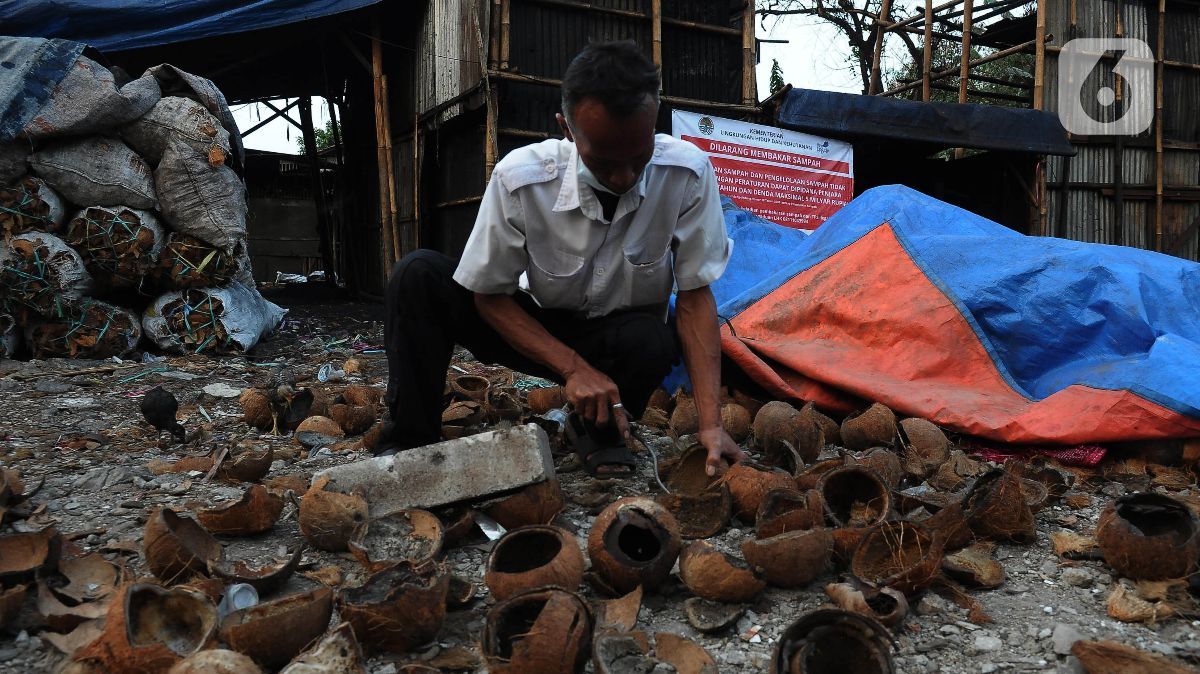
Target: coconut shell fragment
[(702, 505), (634, 541), (995, 508), (925, 447), (255, 512), (178, 548), (749, 482), (533, 556), (150, 628), (1108, 657), (685, 655), (711, 617), (399, 608), (338, 652), (318, 431), (975, 567), (266, 579), (791, 559), (619, 614), (873, 427), (11, 600), (833, 641), (247, 463), (216, 661), (778, 426), (22, 555), (711, 574), (543, 631), (901, 555), (854, 496), (538, 503), (407, 535), (886, 605), (331, 520), (274, 632), (784, 510), (1149, 536)]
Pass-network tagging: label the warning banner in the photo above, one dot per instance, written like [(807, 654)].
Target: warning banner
[(787, 177)]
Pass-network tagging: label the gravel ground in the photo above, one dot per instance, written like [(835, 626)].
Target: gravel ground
[(83, 434)]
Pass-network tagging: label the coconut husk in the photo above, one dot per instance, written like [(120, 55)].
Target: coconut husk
[(813, 474), (711, 574), (539, 503), (187, 262), (887, 606), (23, 555), (711, 617), (685, 655), (407, 535), (885, 463), (193, 321), (256, 409), (829, 428), (1149, 537), (85, 328), (950, 524), (953, 475), (872, 427), (331, 520), (178, 548), (1108, 657), (1071, 545), (619, 614), (634, 541), (149, 628), (778, 427), (684, 418), (547, 630), (662, 400), (791, 559), (38, 272), (975, 566), (318, 431), (274, 632), (736, 420), (995, 508), (785, 509), (826, 641), (253, 513), (353, 419), (247, 463), (901, 555), (118, 245), (925, 447), (216, 661), (399, 608), (749, 482), (1125, 605), (533, 557), (338, 652), (854, 496), (30, 205), (362, 395)]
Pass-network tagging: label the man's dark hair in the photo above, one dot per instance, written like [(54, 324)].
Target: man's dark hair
[(617, 73)]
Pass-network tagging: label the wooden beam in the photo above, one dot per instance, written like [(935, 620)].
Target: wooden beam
[(885, 11), (919, 17), (266, 121), (389, 154), (382, 164), (280, 112), (354, 50), (749, 95), (1158, 125), (927, 52), (656, 22), (950, 72), (1039, 57), (505, 32), (523, 133), (318, 190), (964, 69)]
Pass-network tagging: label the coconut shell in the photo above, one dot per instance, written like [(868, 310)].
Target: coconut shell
[(178, 548), (855, 496), (255, 512), (700, 515), (901, 555), (661, 400), (22, 555), (216, 661), (813, 474), (470, 387), (829, 427), (689, 473), (995, 508), (749, 483), (265, 579), (833, 640), (634, 541), (711, 617), (873, 427), (543, 631), (316, 431), (925, 447), (736, 420), (538, 503), (531, 557), (274, 632), (330, 520), (885, 463), (887, 606), (655, 418), (338, 652), (353, 419), (684, 419), (410, 535), (951, 525), (361, 395), (11, 601), (784, 510), (791, 559), (974, 567), (778, 423), (1149, 537), (713, 575), (542, 400), (399, 608), (256, 409), (249, 464), (150, 628), (1109, 657), (685, 655)]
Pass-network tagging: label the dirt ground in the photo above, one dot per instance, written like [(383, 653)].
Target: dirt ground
[(76, 425)]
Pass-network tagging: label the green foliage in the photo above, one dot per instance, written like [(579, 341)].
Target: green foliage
[(324, 137), (1017, 68), (776, 76)]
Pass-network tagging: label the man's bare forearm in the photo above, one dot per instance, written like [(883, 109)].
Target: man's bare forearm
[(699, 332), (525, 334)]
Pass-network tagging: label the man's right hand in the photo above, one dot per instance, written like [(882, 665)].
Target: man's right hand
[(591, 393)]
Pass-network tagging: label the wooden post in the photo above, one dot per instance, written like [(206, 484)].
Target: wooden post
[(885, 12), (397, 240), (387, 246), (416, 183), (749, 95), (1039, 56), (505, 31), (494, 35), (656, 31), (491, 150), (964, 68), (1158, 125), (318, 190), (927, 51), (1119, 150)]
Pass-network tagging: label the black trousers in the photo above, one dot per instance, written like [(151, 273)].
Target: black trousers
[(428, 313)]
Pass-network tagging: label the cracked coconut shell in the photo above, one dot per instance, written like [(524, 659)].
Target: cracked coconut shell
[(150, 628), (543, 631), (255, 512), (1149, 537), (791, 559), (713, 575), (538, 503), (533, 556), (331, 520), (833, 641), (178, 548), (995, 508), (873, 427), (749, 482), (829, 427), (777, 423), (274, 632), (925, 447), (785, 509), (399, 608), (886, 605), (901, 555), (216, 661), (634, 541)]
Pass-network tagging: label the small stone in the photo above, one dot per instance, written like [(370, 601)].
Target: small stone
[(733, 657), (1078, 577), (1049, 568), (931, 604), (1113, 489), (986, 643), (988, 668), (950, 629), (220, 390), (1048, 610), (1016, 588), (1165, 649), (1044, 633), (1064, 637)]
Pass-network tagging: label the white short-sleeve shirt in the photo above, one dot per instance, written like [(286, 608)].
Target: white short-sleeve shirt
[(541, 231)]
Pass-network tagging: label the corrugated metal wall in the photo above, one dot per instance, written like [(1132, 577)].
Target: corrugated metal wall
[(1082, 193), (448, 52)]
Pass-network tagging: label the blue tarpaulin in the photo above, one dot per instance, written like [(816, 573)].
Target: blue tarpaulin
[(117, 25)]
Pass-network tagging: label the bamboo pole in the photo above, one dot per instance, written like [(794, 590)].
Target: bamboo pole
[(656, 31), (505, 32), (964, 69), (416, 181), (927, 52), (494, 35), (397, 244), (914, 19), (1039, 67), (749, 95), (1158, 125), (490, 150), (877, 53), (950, 72), (385, 223)]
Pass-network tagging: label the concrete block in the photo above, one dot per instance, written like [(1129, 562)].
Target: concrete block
[(466, 469)]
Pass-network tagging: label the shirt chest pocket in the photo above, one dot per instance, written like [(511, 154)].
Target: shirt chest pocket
[(556, 278), (648, 277)]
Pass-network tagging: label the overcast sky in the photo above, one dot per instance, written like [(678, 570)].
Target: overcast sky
[(815, 58)]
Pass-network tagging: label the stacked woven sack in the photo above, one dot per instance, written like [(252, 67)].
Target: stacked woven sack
[(123, 215)]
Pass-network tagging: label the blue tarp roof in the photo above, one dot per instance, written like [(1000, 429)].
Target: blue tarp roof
[(117, 25), (985, 127)]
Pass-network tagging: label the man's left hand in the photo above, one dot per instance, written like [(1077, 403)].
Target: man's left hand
[(720, 446)]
